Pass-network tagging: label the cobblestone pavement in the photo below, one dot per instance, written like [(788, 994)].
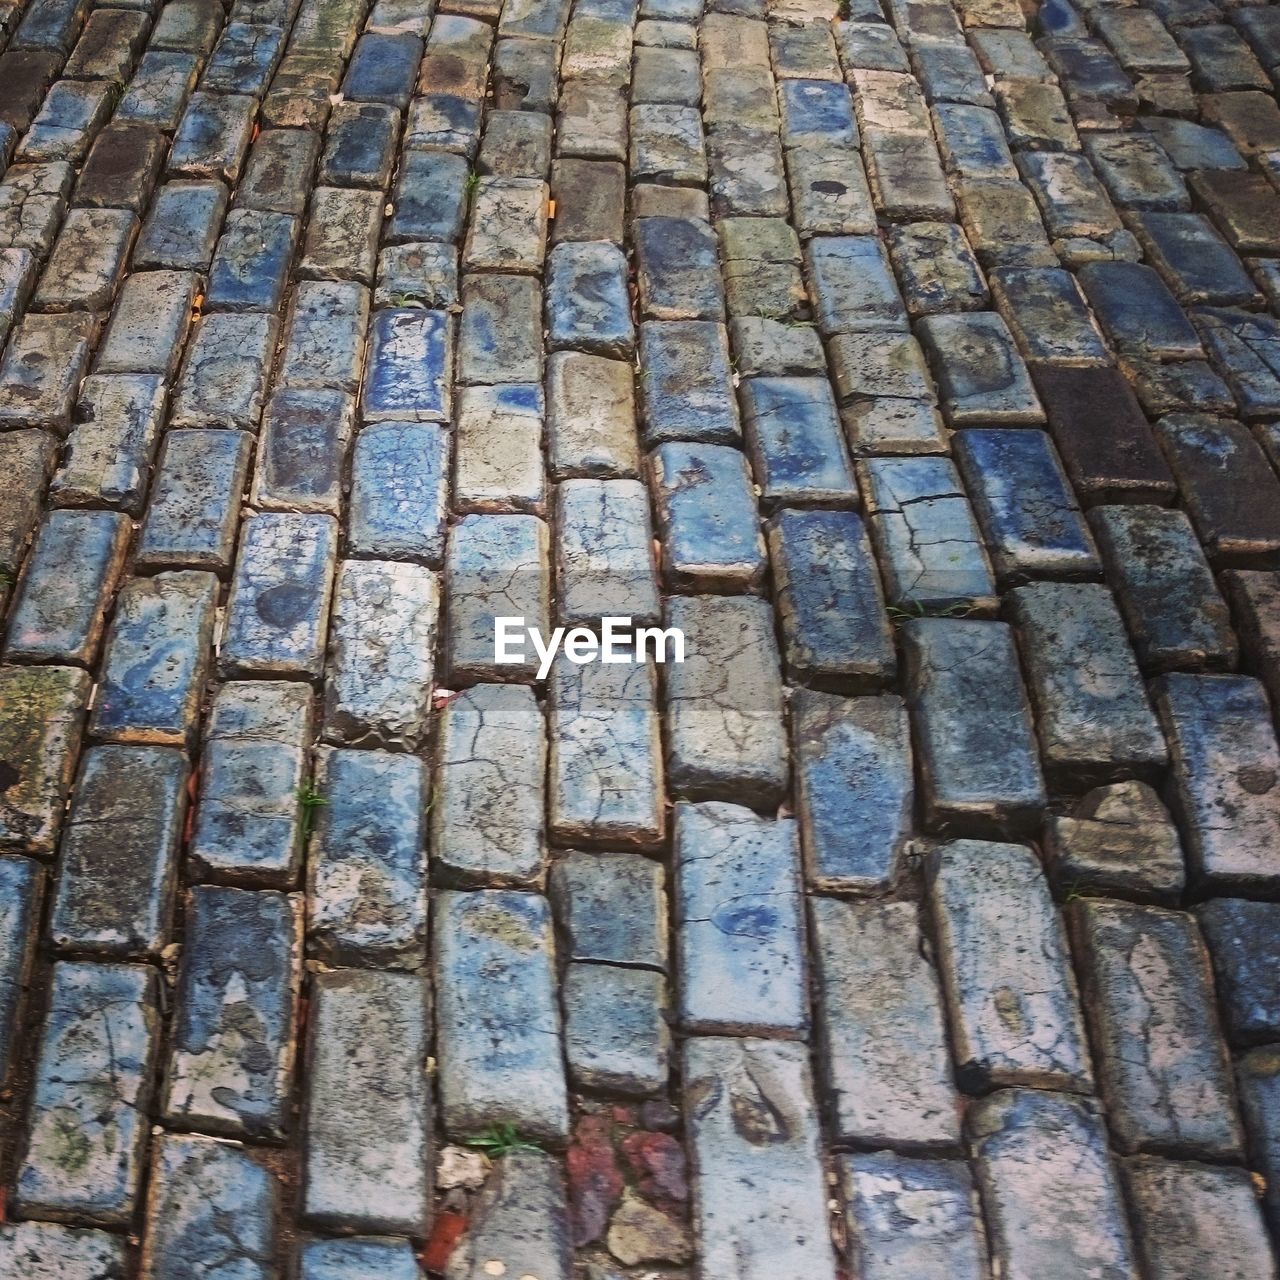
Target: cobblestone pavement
[(921, 364)]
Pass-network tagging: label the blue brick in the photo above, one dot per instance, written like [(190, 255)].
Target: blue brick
[(835, 629), (816, 113), (706, 511), (399, 479), (429, 198), (358, 1259), (20, 885), (588, 304), (1029, 516), (244, 58), (408, 374), (360, 145), (252, 261), (686, 384), (302, 450), (383, 68), (797, 449)]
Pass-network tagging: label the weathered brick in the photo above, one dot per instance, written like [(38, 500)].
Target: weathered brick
[(852, 285), (224, 373), (342, 235), (912, 1217), (611, 908), (148, 325), (64, 128), (252, 260), (616, 1037), (884, 1045), (500, 332), (248, 823), (498, 463), (87, 261), (1225, 767), (278, 610), (59, 609), (46, 1251), (324, 335), (157, 657), (367, 863), (280, 167), (91, 1093), (498, 1024), (381, 662), (208, 1201), (231, 1064), (686, 383), (157, 94), (213, 136), (302, 450), (366, 1116), (591, 417), (43, 364), (487, 821), (588, 306), (117, 900), (21, 887), (605, 763), (398, 492), (1006, 971), (724, 702), (761, 1208), (1162, 1064), (1048, 1185), (429, 198), (182, 228), (982, 380)]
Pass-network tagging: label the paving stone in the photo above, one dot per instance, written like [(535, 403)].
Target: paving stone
[(1011, 998), (380, 667), (677, 269), (194, 509), (225, 370), (1137, 312), (913, 1217), (853, 285), (1092, 715), (1192, 1216), (231, 1064), (495, 566), (493, 956), (1002, 223), (87, 261), (1024, 504), (1165, 588), (23, 884), (739, 923), (1118, 839), (884, 1043), (521, 1221), (407, 374), (930, 550), (1254, 599), (1222, 476), (761, 1205), (592, 123), (59, 610), (1163, 1067), (108, 47), (667, 145), (157, 94), (590, 424), (182, 227), (488, 824), (66, 124), (92, 1079), (366, 1114), (41, 371), (33, 198), (616, 1036), (517, 144), (1193, 259), (248, 826), (421, 273), (653, 200), (42, 712), (200, 1188), (1071, 200), (611, 908), (979, 767), (27, 77), (18, 269), (383, 68), (213, 136), (356, 1258), (746, 174), (686, 383), (588, 306), (30, 456), (46, 1251), (397, 499), (971, 142), (122, 167), (148, 325), (948, 71), (324, 335), (1246, 349), (780, 348), (1125, 464), (706, 514), (1193, 146), (508, 226), (500, 334), (1048, 316), (724, 702), (936, 268), (278, 608), (252, 261), (589, 196), (666, 74), (1257, 1075), (279, 170), (156, 660), (366, 873), (1225, 764), (1241, 937), (342, 235), (981, 377), (302, 450), (443, 120), (1035, 1150), (1185, 386), (605, 757), (498, 463)]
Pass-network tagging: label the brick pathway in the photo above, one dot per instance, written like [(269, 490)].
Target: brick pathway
[(921, 365)]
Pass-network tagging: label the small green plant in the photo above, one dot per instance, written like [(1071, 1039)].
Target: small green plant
[(500, 1140), (405, 300), (310, 800), (472, 182)]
